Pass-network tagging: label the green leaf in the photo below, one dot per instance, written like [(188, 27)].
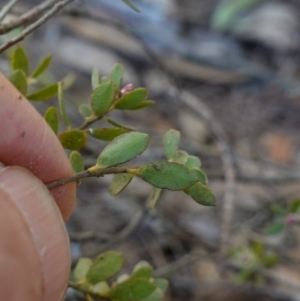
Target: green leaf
[(95, 78), (156, 295), (19, 80), (278, 210), (73, 139), (102, 98), (105, 266), (193, 162), (100, 288), (107, 134), (85, 110), (62, 106), (258, 248), (19, 60), (131, 99), (116, 75), (81, 269), (104, 79), (143, 270), (161, 283), (170, 142), (122, 149), (155, 194), (51, 117), (119, 183), (180, 157), (144, 104), (294, 206), (274, 228), (76, 161), (228, 11), (200, 175), (201, 194), (44, 93), (131, 290), (131, 5), (270, 260), (42, 67), (122, 278), (167, 175)]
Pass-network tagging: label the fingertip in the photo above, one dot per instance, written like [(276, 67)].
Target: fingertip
[(35, 253)]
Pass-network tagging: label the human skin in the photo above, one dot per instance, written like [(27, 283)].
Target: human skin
[(34, 246)]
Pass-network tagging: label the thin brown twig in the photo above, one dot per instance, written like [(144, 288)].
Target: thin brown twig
[(6, 8), (53, 11), (27, 17), (88, 174)]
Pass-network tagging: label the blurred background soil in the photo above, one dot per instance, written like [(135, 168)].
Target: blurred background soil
[(243, 66)]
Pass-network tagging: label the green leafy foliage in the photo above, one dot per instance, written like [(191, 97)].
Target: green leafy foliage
[(122, 149), (131, 99), (131, 290), (171, 142), (167, 175), (85, 110), (62, 106), (116, 75), (51, 117), (42, 67), (228, 11), (44, 93), (81, 269), (143, 270), (73, 139), (102, 98), (19, 80), (201, 194), (105, 266), (107, 134), (76, 161), (119, 183), (250, 262), (19, 60), (95, 78)]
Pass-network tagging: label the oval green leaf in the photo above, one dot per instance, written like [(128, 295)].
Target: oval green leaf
[(61, 104), (85, 110), (294, 206), (116, 75), (122, 149), (19, 60), (19, 80), (200, 175), (102, 98), (170, 142), (105, 266), (144, 104), (51, 117), (167, 175), (44, 93), (119, 183), (42, 67), (193, 162), (107, 134), (180, 157), (143, 270), (156, 295), (131, 99), (95, 78), (76, 162), (73, 139), (131, 290), (81, 269), (161, 283), (100, 288), (275, 228), (201, 194)]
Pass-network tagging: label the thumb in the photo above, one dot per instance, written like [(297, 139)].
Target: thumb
[(34, 247)]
